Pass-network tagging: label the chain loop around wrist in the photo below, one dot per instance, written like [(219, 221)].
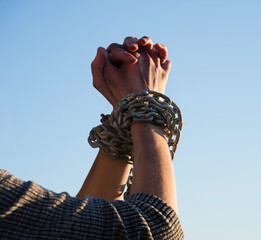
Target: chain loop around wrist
[(149, 107), (109, 140), (113, 136)]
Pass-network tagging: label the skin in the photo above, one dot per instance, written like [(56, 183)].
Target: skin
[(106, 179), (135, 66)]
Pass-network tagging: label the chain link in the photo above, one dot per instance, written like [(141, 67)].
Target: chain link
[(108, 139)]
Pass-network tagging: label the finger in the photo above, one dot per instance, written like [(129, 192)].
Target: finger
[(99, 82), (162, 51), (166, 66), (131, 44), (118, 57), (114, 46), (146, 42)]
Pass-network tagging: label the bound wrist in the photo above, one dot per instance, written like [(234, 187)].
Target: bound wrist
[(141, 129)]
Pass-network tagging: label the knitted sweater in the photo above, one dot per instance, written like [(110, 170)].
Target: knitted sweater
[(28, 211)]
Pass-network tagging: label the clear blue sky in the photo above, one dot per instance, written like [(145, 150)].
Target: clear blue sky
[(48, 104)]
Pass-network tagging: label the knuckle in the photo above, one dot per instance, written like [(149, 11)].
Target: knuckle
[(113, 46), (96, 85), (146, 37), (99, 49), (93, 64), (163, 46), (117, 52), (130, 39)]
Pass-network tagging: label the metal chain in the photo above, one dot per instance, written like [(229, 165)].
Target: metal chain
[(113, 136), (151, 107), (108, 139)]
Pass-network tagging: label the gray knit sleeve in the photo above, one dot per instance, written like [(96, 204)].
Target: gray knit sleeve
[(28, 211)]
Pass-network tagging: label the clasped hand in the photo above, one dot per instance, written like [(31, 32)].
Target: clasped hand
[(132, 67)]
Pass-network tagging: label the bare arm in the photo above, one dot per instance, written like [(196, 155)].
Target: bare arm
[(106, 178), (153, 170)]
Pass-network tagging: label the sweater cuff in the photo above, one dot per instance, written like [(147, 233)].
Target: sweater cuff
[(141, 200)]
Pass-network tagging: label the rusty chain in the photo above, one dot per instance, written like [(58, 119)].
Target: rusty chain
[(108, 139)]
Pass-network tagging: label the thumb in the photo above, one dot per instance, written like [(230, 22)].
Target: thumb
[(99, 82)]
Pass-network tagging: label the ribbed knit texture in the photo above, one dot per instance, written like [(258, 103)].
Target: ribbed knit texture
[(28, 211)]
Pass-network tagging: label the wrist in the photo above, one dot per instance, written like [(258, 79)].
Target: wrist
[(147, 136), (142, 130)]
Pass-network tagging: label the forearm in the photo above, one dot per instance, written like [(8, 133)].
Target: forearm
[(106, 178), (153, 170)]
